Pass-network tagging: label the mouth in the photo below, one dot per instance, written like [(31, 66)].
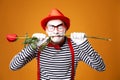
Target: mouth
[(58, 36)]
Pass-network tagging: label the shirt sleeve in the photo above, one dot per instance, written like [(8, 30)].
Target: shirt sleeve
[(87, 54), (23, 57)]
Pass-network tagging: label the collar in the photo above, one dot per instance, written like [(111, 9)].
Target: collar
[(56, 46)]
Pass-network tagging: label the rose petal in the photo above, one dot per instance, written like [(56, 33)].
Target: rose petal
[(11, 37)]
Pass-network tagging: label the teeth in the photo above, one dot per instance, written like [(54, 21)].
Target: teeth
[(57, 36)]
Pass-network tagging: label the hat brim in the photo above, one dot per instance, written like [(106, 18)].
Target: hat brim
[(63, 18)]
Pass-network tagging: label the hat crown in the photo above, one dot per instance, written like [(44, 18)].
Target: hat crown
[(55, 12)]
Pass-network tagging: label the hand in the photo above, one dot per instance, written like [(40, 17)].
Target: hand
[(41, 38), (78, 37)]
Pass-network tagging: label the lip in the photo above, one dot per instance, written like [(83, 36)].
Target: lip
[(57, 36)]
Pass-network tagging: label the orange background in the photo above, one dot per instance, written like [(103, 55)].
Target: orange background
[(94, 17)]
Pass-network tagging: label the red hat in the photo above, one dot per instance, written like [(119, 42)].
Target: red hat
[(55, 14)]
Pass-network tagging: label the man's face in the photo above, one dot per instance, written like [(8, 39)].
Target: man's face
[(56, 30)]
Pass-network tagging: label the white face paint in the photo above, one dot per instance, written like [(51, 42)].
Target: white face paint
[(57, 33)]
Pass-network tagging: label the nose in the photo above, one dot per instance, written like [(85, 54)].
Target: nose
[(55, 31)]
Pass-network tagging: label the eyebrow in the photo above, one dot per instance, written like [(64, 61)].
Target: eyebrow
[(57, 25)]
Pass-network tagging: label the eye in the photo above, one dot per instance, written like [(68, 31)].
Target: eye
[(50, 28), (60, 28)]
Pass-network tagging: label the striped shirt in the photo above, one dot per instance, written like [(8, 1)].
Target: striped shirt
[(56, 64)]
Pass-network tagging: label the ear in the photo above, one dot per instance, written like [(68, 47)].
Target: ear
[(46, 31), (66, 29)]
